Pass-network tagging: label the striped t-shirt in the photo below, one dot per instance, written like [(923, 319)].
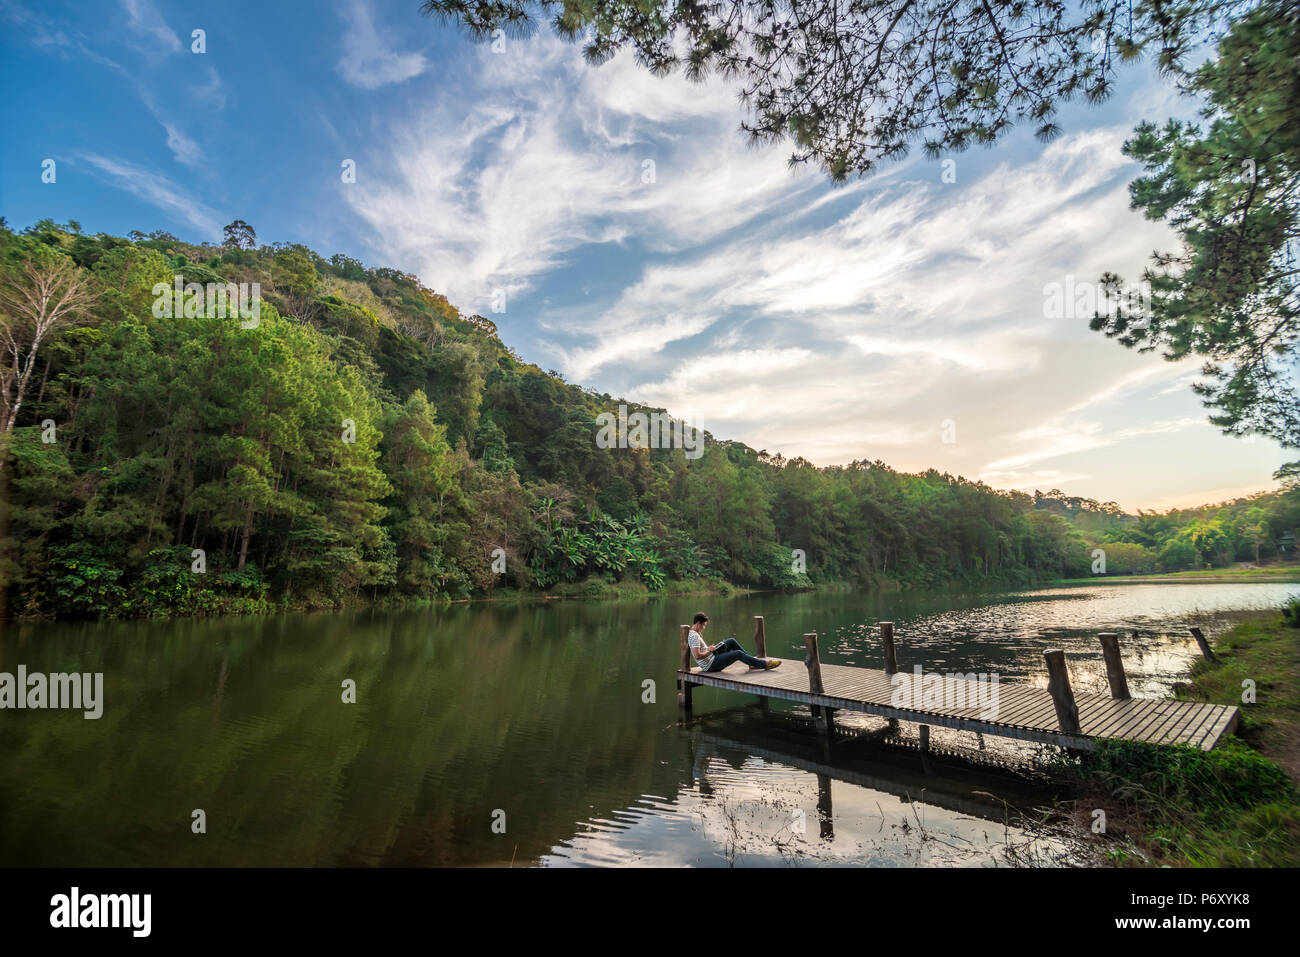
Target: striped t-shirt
[(695, 641)]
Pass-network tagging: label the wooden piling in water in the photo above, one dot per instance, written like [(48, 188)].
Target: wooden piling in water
[(926, 766), (760, 638), (813, 662), (1058, 685), (684, 689), (1114, 664), (891, 660), (1203, 644), (887, 639)]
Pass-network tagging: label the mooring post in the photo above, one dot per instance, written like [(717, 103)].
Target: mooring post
[(887, 639), (891, 661), (760, 638), (813, 661), (683, 688), (1114, 664), (1058, 684), (1204, 645)]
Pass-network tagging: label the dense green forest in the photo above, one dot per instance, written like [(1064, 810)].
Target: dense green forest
[(362, 440)]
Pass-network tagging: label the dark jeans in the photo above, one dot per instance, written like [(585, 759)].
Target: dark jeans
[(729, 651)]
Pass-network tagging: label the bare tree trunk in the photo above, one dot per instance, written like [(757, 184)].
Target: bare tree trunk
[(248, 531), (36, 300)]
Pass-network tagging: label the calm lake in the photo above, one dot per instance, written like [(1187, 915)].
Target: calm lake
[(531, 717)]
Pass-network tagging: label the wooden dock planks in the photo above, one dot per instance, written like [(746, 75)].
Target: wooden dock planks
[(1022, 711)]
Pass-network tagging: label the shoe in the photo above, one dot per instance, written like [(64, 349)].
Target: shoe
[(773, 663)]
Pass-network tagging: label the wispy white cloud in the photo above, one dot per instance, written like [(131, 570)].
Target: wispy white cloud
[(1063, 436), (1117, 386), (183, 148), (37, 31), (213, 91), (369, 60), (911, 269), (1162, 428), (1049, 440), (145, 22), (554, 156), (149, 27), (158, 191)]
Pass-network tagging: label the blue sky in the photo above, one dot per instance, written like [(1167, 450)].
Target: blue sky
[(637, 242)]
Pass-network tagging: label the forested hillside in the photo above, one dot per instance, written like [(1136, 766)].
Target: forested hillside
[(362, 440)]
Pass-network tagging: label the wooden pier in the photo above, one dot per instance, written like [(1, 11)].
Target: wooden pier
[(1054, 715)]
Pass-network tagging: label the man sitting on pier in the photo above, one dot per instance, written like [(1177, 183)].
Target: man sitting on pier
[(716, 657)]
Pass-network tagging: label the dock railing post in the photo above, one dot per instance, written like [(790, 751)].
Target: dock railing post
[(1203, 644), (1058, 684), (1114, 664), (683, 688), (760, 651), (813, 661)]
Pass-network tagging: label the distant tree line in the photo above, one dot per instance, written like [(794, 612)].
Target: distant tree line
[(1256, 529)]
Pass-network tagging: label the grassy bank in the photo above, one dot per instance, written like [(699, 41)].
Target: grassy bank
[(1268, 573), (1235, 806)]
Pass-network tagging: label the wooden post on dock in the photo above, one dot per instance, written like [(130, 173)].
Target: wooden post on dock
[(813, 661), (684, 689), (1204, 645), (891, 661), (1114, 664), (1058, 684), (760, 638), (887, 639)]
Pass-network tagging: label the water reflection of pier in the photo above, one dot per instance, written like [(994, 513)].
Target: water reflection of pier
[(950, 783)]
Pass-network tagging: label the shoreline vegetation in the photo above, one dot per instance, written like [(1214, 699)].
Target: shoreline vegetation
[(1262, 573), (344, 436), (1235, 806), (597, 589)]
